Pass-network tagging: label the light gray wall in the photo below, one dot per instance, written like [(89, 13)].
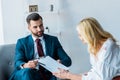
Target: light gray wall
[(62, 22), (1, 25), (107, 12), (13, 20)]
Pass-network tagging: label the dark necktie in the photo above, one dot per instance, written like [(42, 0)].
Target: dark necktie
[(40, 53), (39, 48)]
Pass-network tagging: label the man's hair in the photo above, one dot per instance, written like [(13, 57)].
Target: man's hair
[(33, 16)]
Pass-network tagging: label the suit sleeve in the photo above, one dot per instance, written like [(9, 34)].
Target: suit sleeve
[(19, 55), (65, 59)]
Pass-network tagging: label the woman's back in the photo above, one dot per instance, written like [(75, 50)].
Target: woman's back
[(107, 65)]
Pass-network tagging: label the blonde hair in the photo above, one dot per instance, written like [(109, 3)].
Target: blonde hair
[(93, 33)]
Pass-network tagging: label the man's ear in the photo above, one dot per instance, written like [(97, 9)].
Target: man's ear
[(28, 27)]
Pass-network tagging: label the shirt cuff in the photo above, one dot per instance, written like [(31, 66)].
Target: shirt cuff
[(21, 66)]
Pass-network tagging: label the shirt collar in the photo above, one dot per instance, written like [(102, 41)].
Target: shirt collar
[(34, 38)]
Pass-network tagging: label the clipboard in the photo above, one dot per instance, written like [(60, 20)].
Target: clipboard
[(51, 64)]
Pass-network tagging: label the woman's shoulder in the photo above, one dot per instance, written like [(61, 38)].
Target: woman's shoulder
[(109, 51), (108, 44)]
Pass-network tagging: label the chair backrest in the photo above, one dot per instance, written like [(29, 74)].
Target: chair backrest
[(116, 78), (6, 60)]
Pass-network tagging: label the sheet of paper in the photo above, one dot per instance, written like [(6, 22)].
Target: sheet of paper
[(51, 64)]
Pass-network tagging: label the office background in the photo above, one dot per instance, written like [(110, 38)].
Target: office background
[(61, 18)]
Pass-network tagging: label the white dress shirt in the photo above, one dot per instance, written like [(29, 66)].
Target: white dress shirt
[(35, 47), (107, 65)]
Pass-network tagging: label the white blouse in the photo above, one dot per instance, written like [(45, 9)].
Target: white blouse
[(107, 65)]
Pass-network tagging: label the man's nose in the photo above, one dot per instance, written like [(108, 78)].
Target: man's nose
[(39, 29)]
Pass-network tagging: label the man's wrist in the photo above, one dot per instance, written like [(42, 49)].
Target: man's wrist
[(21, 66)]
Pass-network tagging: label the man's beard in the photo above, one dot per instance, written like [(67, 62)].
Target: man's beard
[(38, 34)]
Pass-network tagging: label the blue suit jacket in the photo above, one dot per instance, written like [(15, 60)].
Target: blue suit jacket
[(25, 50)]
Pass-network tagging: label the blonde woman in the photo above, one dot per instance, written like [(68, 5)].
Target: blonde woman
[(104, 53)]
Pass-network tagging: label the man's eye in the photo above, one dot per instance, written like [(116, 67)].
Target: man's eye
[(35, 27)]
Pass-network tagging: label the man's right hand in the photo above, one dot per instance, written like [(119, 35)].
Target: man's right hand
[(30, 64)]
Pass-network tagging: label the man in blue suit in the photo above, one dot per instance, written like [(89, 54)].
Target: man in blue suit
[(26, 52)]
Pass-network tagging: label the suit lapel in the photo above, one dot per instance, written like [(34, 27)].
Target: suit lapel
[(30, 48), (47, 44)]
